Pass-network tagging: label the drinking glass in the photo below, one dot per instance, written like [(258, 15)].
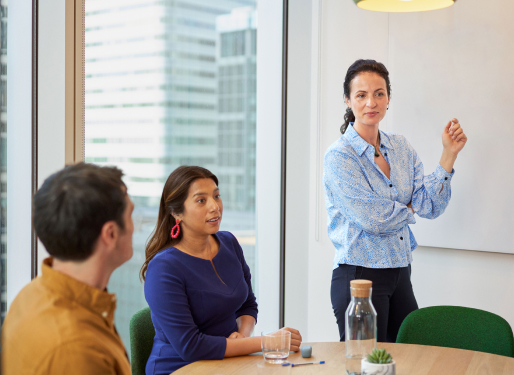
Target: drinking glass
[(275, 346)]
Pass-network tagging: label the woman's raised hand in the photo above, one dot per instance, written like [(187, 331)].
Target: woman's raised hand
[(454, 138), (296, 338)]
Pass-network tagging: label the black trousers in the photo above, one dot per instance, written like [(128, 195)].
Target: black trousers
[(391, 295)]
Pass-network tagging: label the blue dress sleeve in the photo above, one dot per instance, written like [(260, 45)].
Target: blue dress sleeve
[(431, 194), (249, 307), (347, 189), (166, 295)]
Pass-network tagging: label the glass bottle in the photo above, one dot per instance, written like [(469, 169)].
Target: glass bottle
[(361, 326)]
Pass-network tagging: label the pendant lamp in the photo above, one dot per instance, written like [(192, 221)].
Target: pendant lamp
[(403, 5)]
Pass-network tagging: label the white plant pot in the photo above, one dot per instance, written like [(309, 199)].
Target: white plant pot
[(378, 368)]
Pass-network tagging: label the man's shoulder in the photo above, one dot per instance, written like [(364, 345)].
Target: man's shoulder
[(51, 331), (40, 316)]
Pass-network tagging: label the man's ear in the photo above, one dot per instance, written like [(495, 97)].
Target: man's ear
[(109, 234)]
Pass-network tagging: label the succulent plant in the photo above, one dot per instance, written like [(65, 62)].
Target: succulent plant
[(379, 356)]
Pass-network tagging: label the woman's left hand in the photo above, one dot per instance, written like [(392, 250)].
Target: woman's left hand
[(236, 335), (454, 139)]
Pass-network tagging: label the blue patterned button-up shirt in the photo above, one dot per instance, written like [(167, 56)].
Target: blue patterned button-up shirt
[(368, 215)]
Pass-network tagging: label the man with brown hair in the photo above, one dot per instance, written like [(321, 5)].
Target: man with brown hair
[(63, 321)]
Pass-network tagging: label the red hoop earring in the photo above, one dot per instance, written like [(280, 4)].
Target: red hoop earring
[(175, 231)]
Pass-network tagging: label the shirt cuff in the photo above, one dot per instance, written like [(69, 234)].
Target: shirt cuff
[(442, 175)]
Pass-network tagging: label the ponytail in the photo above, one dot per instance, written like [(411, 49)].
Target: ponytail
[(348, 117)]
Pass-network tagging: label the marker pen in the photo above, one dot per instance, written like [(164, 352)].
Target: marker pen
[(304, 363)]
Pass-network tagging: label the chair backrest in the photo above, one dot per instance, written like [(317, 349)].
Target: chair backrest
[(142, 333), (458, 327)]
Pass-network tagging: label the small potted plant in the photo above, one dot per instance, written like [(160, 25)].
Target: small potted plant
[(379, 362)]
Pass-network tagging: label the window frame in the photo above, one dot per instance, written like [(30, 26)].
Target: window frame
[(22, 142)]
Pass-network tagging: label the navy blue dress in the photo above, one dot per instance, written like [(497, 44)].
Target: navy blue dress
[(193, 312)]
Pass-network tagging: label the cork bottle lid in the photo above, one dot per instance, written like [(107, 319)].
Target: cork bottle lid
[(360, 288)]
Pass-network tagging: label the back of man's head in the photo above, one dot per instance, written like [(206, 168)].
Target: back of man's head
[(72, 206)]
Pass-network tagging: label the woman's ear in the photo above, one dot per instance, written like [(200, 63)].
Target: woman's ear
[(176, 217), (347, 101)]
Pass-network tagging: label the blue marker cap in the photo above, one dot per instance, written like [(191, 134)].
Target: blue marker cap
[(286, 364), (320, 362)]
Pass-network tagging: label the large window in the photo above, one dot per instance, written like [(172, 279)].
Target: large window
[(3, 160), (167, 84)]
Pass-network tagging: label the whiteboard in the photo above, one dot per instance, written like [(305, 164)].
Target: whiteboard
[(455, 62), (460, 63)]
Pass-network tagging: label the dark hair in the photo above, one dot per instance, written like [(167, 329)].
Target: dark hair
[(174, 194), (72, 206), (361, 66)]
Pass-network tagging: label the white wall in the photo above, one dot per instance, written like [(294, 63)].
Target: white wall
[(440, 276)]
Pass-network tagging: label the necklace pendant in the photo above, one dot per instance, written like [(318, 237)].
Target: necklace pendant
[(376, 152)]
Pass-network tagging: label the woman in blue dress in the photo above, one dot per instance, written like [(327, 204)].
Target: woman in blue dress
[(197, 282), (374, 184)]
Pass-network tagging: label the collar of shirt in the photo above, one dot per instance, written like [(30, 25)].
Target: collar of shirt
[(98, 301), (359, 144)]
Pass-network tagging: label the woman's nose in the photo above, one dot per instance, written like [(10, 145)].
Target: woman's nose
[(214, 206)]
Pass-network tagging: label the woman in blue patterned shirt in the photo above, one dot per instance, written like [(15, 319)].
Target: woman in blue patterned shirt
[(374, 184)]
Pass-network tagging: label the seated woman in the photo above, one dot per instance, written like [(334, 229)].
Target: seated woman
[(197, 282)]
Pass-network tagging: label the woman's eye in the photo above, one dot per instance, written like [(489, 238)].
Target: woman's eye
[(201, 200), (218, 196), (380, 94)]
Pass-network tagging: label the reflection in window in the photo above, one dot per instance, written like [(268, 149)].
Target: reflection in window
[(170, 84)]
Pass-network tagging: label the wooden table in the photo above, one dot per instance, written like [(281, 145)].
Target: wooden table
[(410, 360)]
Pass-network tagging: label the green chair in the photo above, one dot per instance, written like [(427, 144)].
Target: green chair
[(142, 334), (458, 327)]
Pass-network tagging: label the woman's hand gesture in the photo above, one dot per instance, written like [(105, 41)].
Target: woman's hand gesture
[(454, 139)]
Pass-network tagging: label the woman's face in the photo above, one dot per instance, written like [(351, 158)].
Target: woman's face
[(368, 98), (203, 208)]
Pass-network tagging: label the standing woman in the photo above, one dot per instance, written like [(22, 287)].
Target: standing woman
[(374, 184), (197, 282)]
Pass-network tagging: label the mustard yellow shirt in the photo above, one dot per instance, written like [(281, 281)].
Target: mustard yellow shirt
[(58, 325)]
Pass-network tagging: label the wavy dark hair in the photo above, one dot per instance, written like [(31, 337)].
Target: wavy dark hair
[(361, 66), (174, 194)]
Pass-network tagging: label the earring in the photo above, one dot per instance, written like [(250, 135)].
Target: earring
[(175, 229), (348, 110), (388, 106)]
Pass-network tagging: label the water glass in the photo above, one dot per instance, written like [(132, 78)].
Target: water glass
[(275, 346)]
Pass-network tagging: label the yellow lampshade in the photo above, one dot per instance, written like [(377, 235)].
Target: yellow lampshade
[(403, 5)]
